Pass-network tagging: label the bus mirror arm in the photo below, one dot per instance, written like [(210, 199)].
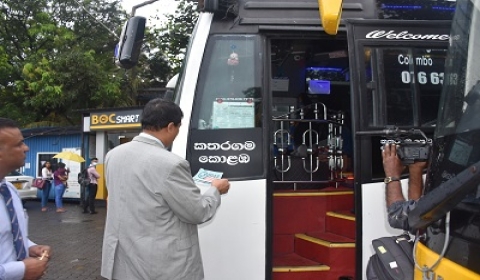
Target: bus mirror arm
[(435, 204)]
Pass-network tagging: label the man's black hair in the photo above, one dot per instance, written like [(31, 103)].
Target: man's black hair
[(94, 159), (4, 123), (158, 113)]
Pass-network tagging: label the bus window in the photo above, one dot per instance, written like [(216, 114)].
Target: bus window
[(409, 91), (229, 85), (226, 126)]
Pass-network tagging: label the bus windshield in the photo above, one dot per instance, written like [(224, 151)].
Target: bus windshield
[(455, 145), (460, 103)]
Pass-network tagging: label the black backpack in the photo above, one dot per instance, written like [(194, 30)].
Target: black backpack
[(393, 259), (83, 177)]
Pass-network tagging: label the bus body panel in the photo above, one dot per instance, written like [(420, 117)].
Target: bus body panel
[(233, 242), (241, 218), (188, 82), (446, 269)]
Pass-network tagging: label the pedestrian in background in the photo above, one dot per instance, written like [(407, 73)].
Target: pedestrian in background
[(154, 206), (47, 176), (91, 187), (20, 258), (60, 177)]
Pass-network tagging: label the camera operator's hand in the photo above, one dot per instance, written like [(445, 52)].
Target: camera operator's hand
[(417, 167), (392, 165), (415, 181)]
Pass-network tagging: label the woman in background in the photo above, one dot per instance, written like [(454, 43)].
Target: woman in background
[(60, 177), (47, 176)]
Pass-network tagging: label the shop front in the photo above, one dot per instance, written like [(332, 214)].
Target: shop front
[(103, 130)]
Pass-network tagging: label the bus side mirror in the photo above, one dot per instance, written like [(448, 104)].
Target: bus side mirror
[(330, 14), (130, 43)]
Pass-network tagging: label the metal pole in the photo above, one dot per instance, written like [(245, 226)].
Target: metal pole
[(134, 8)]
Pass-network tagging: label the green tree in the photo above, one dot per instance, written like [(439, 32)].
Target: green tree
[(165, 46), (57, 58)]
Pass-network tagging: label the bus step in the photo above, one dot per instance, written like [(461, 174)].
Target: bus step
[(340, 222), (338, 252), (292, 266)]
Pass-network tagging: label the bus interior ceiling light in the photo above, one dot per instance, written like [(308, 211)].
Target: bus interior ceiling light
[(417, 7), (330, 15), (315, 68)]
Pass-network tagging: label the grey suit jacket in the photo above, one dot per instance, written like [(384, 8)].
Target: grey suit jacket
[(152, 214)]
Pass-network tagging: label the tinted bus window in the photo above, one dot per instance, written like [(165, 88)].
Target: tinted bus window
[(409, 86)]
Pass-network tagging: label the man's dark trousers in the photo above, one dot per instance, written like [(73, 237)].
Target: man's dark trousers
[(90, 198)]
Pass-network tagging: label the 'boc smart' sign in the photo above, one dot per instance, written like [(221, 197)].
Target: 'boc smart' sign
[(114, 120)]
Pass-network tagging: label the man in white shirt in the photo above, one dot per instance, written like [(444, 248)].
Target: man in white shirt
[(20, 258), (92, 187)]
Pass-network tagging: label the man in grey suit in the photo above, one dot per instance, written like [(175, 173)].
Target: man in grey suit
[(154, 206)]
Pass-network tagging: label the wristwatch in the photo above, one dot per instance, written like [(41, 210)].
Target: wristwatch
[(390, 179)]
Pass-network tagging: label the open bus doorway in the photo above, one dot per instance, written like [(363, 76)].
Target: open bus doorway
[(310, 89), (396, 83)]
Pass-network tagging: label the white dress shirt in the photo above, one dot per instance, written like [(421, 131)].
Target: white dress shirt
[(10, 268)]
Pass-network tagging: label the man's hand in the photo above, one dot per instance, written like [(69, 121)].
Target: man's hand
[(415, 181), (222, 185), (39, 251), (34, 268), (392, 165), (417, 167)]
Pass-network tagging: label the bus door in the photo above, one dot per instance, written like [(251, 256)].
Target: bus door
[(397, 72), (225, 134)]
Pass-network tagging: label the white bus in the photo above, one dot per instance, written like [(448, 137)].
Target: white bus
[(293, 111)]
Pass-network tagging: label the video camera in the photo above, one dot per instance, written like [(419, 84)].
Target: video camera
[(410, 147)]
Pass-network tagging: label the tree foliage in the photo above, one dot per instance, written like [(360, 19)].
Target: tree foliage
[(56, 57), (166, 45)]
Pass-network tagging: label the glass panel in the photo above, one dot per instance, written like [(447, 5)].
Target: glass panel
[(42, 158), (456, 148), (371, 87), (459, 111), (115, 138), (229, 87), (404, 89), (228, 96)]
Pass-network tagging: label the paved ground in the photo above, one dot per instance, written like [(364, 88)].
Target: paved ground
[(75, 238)]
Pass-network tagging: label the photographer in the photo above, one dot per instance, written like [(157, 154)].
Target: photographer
[(397, 206)]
